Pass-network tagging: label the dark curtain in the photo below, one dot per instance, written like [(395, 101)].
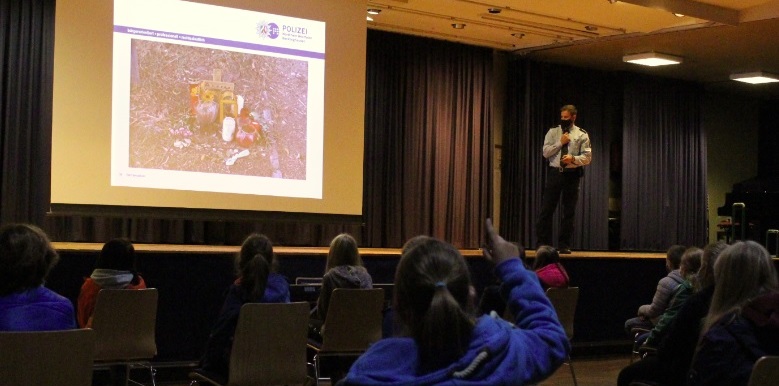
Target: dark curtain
[(27, 58), (427, 140), (664, 165), (535, 93)]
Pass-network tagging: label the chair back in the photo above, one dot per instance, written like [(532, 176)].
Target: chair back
[(124, 322), (269, 347), (765, 371), (305, 293), (47, 358), (353, 320), (308, 280), (564, 301)]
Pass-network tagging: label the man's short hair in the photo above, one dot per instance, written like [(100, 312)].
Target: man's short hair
[(569, 108), (674, 255)]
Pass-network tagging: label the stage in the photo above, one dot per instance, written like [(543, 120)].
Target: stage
[(283, 251)]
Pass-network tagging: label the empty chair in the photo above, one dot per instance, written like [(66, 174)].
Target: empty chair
[(124, 322), (46, 358), (353, 322), (269, 347), (765, 372), (564, 301)]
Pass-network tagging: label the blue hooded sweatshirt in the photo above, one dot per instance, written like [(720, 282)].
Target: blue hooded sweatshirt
[(499, 353)]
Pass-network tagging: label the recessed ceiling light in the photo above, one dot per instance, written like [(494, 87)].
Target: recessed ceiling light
[(458, 25), (493, 10), (755, 77), (678, 15), (374, 11), (368, 18), (652, 59)]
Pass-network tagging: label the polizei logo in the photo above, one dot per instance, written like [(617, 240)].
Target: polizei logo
[(294, 30), (267, 30), (295, 34)]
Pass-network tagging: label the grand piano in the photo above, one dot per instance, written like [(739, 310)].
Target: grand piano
[(760, 197)]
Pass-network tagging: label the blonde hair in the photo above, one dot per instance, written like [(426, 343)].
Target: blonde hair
[(742, 271), (343, 251)]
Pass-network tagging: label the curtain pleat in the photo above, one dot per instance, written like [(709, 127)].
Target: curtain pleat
[(664, 197), (427, 142), (27, 58)]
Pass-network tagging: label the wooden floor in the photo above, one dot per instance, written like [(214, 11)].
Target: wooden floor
[(595, 371), (600, 371)]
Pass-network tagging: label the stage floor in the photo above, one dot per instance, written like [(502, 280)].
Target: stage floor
[(322, 251)]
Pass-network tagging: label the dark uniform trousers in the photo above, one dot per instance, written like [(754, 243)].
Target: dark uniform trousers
[(559, 183)]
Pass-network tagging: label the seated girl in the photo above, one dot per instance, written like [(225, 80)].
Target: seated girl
[(257, 283), (26, 257), (444, 343), (115, 268)]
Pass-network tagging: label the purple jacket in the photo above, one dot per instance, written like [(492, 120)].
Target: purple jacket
[(36, 309)]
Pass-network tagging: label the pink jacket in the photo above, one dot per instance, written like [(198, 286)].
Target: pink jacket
[(553, 276)]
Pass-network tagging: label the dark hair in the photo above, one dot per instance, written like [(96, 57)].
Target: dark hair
[(432, 299), (674, 255), (545, 255), (118, 254), (343, 251), (413, 242), (26, 257), (255, 262)]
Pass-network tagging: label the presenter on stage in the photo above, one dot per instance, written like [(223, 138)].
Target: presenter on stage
[(567, 148)]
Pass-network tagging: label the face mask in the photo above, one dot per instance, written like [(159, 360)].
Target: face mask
[(566, 124)]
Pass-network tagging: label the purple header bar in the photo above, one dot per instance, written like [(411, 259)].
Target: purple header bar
[(216, 42)]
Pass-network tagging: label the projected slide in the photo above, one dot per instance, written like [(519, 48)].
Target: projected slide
[(215, 99)]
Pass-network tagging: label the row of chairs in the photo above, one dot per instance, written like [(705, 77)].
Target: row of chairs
[(269, 347), (122, 333)]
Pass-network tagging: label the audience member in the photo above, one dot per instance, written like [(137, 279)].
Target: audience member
[(675, 349), (743, 321), (257, 283), (344, 270), (691, 263), (26, 257), (649, 313), (115, 268), (548, 268), (390, 326), (491, 299), (444, 343)]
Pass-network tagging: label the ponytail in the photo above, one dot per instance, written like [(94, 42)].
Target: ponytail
[(444, 331), (432, 296), (254, 277)]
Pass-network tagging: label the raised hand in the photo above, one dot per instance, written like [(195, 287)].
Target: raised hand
[(497, 249)]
